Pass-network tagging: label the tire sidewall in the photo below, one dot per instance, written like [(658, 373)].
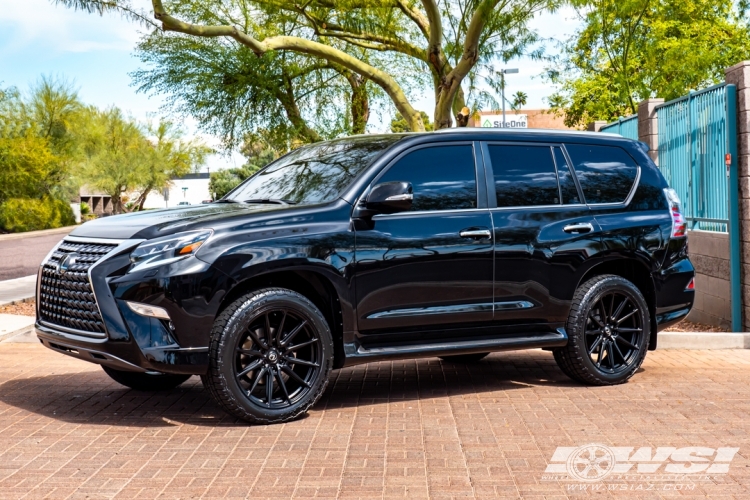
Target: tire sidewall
[(593, 294), (238, 323)]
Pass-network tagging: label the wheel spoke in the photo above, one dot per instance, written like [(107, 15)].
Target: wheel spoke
[(297, 361), (269, 386), (629, 330), (626, 342), (598, 331), (599, 355), (252, 366), (303, 344), (269, 336), (256, 339), (610, 357), (280, 379), (257, 379), (249, 352), (595, 345), (597, 320), (296, 377), (292, 334), (626, 316), (611, 305), (280, 329), (617, 348), (619, 309)]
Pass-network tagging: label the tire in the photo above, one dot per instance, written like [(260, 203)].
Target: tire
[(464, 358), (608, 332), (252, 348), (146, 381)]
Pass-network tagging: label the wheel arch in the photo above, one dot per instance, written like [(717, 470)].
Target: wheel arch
[(634, 270), (311, 284)]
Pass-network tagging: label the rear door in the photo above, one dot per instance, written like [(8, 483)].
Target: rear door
[(543, 233), (428, 269)]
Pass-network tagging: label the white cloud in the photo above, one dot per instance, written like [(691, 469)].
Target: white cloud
[(58, 28)]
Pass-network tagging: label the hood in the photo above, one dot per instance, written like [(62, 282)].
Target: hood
[(155, 223)]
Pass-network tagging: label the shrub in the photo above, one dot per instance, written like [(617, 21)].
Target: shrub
[(85, 209), (18, 215)]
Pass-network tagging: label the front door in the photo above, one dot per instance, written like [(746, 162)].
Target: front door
[(429, 269)]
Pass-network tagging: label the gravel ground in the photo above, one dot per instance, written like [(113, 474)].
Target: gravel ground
[(27, 309)]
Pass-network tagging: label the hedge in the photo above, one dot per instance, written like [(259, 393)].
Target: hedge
[(18, 215)]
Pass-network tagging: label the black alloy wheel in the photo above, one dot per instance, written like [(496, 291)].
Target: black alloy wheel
[(608, 332), (270, 356)]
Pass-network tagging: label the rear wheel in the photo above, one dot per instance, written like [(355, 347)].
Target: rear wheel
[(270, 356), (464, 358), (608, 332), (145, 381)]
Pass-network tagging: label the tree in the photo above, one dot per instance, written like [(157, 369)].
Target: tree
[(121, 160), (451, 40), (520, 99), (399, 124), (630, 50)]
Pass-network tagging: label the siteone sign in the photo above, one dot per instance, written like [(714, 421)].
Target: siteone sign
[(511, 121)]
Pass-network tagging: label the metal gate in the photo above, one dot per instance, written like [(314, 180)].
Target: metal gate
[(626, 127)]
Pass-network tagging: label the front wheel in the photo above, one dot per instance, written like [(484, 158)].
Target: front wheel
[(608, 332), (270, 356), (145, 381)]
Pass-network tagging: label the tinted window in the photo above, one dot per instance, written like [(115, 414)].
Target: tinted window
[(606, 173), (443, 177), (568, 188), (314, 174), (524, 176)]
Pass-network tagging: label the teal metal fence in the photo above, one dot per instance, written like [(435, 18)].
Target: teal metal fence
[(693, 142), (626, 127)]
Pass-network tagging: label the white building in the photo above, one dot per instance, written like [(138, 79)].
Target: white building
[(190, 188)]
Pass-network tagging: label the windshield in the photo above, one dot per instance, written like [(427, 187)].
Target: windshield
[(313, 174)]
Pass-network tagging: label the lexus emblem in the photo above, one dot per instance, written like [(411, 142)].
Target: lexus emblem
[(66, 262)]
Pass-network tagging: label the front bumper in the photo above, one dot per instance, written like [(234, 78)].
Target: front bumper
[(190, 290)]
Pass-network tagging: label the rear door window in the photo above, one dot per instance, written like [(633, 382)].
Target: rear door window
[(524, 175), (606, 173)]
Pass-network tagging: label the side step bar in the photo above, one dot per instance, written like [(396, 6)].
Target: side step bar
[(357, 354)]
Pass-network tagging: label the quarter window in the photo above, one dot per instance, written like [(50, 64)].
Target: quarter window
[(606, 173), (442, 177), (524, 175)]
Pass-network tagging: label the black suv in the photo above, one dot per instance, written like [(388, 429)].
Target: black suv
[(451, 244)]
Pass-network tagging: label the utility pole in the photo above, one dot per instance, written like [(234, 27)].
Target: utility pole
[(503, 72)]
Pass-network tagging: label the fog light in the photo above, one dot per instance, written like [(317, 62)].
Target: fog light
[(148, 310)]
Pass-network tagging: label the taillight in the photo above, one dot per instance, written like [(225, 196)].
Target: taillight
[(679, 226), (691, 285)]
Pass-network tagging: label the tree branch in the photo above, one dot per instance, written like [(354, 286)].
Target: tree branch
[(300, 45)]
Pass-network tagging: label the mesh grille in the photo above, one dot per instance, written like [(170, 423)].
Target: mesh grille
[(66, 298)]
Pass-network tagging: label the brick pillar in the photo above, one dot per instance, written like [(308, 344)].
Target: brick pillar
[(739, 75), (648, 126), (595, 126)]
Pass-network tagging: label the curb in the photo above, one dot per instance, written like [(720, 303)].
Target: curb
[(702, 340), (32, 234), (8, 337)]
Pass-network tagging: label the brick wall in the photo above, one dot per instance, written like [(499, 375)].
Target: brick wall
[(709, 253)]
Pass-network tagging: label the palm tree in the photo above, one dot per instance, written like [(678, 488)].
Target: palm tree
[(519, 99)]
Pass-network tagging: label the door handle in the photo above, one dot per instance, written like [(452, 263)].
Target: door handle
[(476, 234), (581, 227)]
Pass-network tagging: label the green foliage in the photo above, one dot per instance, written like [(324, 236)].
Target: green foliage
[(632, 50), (520, 99), (85, 208), (27, 214), (224, 181), (398, 124)]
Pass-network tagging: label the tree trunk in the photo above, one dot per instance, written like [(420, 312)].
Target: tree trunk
[(289, 102), (360, 102)]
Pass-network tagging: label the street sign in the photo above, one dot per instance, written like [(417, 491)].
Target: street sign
[(511, 121)]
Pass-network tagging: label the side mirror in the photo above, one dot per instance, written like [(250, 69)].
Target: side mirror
[(390, 198)]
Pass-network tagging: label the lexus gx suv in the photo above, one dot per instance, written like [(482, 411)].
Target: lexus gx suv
[(452, 244)]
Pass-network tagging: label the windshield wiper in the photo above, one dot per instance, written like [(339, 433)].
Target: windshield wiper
[(274, 201)]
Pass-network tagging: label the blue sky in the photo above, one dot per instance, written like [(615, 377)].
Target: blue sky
[(37, 37)]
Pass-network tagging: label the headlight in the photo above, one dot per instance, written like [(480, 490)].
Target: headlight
[(167, 250)]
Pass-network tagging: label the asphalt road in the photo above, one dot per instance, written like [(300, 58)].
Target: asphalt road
[(22, 257)]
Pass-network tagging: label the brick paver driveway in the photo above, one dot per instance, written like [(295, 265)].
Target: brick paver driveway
[(402, 429)]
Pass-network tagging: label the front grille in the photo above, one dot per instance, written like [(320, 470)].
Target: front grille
[(66, 298)]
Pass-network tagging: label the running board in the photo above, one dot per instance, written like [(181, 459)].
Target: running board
[(356, 354)]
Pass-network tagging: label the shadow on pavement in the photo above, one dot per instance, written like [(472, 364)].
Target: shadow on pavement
[(92, 398)]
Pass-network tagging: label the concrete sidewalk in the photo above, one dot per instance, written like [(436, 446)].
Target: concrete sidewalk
[(17, 290), (14, 328)]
